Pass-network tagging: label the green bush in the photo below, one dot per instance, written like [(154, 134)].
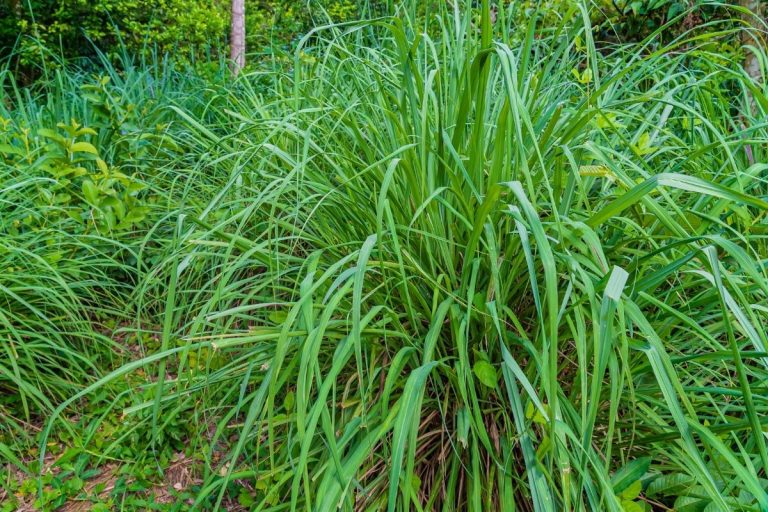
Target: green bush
[(629, 20), (77, 27), (76, 152), (34, 31), (277, 25)]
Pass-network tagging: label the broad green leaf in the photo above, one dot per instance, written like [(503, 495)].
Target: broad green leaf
[(485, 373), (84, 147), (90, 192)]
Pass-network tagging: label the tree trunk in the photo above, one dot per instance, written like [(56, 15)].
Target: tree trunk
[(237, 40), (754, 37)]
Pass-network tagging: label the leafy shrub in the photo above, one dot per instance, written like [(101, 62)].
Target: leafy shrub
[(73, 28), (630, 20), (186, 28), (273, 24), (75, 156), (80, 168)]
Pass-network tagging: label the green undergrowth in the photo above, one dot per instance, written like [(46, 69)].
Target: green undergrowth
[(468, 270)]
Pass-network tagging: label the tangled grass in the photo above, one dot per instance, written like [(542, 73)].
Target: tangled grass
[(431, 268)]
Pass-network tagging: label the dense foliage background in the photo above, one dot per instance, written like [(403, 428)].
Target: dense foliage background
[(418, 255), (36, 32)]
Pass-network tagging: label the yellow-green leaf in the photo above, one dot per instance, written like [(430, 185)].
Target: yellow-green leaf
[(84, 147)]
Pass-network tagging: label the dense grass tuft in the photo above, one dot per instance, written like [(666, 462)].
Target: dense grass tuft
[(428, 268)]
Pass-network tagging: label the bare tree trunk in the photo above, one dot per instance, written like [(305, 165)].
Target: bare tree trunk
[(755, 37), (237, 40)]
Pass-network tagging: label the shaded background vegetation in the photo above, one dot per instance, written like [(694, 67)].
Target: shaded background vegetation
[(36, 33), (190, 29)]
